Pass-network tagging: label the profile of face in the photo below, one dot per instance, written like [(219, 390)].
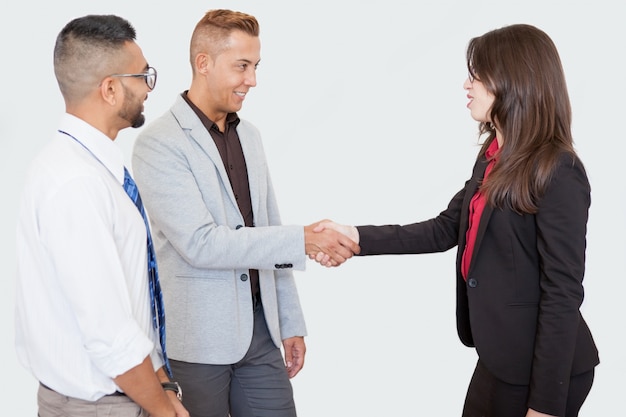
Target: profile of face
[(132, 109), (480, 99), (232, 73), (135, 88)]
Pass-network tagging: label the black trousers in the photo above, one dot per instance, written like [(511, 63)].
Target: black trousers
[(488, 396)]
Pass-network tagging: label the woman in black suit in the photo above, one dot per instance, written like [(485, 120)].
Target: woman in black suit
[(520, 227)]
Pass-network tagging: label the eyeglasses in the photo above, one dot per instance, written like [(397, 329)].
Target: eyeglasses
[(150, 76)]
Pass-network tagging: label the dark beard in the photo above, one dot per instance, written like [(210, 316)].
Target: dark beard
[(132, 115), (138, 121)]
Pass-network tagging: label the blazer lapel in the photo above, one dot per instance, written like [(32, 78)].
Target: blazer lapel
[(482, 226), (479, 173), (471, 189), (196, 132)]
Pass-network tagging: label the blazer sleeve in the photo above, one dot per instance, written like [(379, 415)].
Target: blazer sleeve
[(187, 202), (438, 234), (561, 223)]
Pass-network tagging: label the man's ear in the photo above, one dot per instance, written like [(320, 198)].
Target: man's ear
[(108, 90), (202, 63)]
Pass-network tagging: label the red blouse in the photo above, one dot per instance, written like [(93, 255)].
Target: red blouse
[(476, 207)]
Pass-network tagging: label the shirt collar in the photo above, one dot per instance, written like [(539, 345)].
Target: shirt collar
[(100, 145), (231, 118), (492, 150)]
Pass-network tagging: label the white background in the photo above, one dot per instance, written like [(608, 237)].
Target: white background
[(363, 115)]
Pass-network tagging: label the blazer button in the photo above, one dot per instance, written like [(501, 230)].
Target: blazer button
[(472, 283), (238, 227), (243, 277)]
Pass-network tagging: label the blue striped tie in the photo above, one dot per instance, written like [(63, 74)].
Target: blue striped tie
[(156, 297)]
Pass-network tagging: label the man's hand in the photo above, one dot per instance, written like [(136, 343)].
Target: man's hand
[(295, 349), (335, 246), (349, 232), (143, 386), (181, 411)]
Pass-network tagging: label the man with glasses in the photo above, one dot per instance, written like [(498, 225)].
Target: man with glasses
[(86, 278)]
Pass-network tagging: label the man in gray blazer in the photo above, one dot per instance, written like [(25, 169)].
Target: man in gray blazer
[(224, 258)]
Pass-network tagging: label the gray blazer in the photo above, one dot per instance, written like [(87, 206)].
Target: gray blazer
[(203, 251)]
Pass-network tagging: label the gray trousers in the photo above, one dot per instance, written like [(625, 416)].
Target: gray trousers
[(256, 386), (53, 404)]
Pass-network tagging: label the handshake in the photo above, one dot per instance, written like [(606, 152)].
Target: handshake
[(330, 244)]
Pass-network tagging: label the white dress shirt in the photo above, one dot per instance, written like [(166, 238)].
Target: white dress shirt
[(83, 312)]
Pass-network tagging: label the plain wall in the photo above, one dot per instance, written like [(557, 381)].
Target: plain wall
[(363, 115)]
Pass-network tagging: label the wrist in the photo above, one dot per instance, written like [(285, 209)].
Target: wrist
[(354, 234), (174, 387)]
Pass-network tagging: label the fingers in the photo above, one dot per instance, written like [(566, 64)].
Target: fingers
[(327, 241), (331, 244), (350, 232), (322, 258), (347, 240), (295, 350), (323, 224)]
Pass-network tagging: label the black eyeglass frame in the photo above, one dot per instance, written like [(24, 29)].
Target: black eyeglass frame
[(149, 76)]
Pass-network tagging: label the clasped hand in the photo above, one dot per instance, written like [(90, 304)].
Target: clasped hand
[(331, 244)]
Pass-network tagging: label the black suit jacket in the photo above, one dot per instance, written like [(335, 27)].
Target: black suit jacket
[(520, 304)]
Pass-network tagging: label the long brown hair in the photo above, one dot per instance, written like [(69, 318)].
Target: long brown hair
[(520, 66)]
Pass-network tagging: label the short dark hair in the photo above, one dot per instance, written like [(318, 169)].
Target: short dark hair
[(84, 50)]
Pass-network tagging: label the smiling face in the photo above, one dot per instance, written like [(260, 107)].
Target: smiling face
[(230, 75)]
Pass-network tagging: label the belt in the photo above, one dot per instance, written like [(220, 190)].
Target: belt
[(116, 393)]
